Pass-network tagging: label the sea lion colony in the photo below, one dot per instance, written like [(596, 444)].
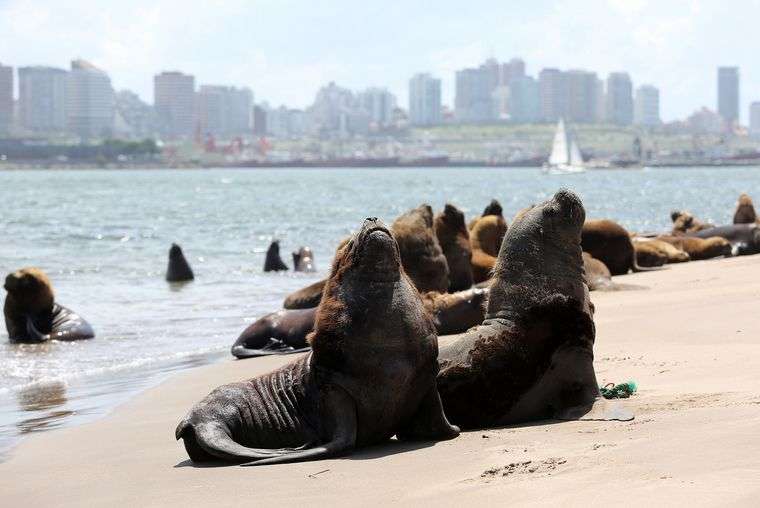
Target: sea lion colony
[(389, 294)]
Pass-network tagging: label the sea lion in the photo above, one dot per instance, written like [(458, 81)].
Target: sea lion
[(421, 253), (684, 222), (273, 261), (485, 239), (532, 357), (452, 235), (285, 331), (303, 260), (699, 248), (179, 269), (648, 255), (492, 208), (305, 298), (744, 238), (745, 211), (596, 274), (611, 244), (657, 250), (371, 373), (32, 315)]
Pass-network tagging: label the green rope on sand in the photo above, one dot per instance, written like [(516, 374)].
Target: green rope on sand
[(621, 391)]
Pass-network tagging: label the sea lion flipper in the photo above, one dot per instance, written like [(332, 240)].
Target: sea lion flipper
[(429, 422), (599, 410), (33, 333)]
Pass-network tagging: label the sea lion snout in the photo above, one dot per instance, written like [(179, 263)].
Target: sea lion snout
[(570, 204)]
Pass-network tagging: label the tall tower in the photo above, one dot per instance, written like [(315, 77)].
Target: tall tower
[(728, 95)]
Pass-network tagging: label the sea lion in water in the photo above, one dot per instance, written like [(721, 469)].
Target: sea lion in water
[(744, 238), (303, 260), (699, 248), (421, 253), (745, 211), (371, 374), (486, 236), (285, 331), (32, 315), (611, 244), (179, 269), (454, 239), (532, 358), (684, 222), (596, 274), (273, 261)]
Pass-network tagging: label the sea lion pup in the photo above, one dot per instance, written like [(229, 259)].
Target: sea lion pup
[(745, 211), (454, 239), (456, 312), (486, 236), (303, 260), (596, 274), (371, 373), (699, 248), (32, 315), (532, 358), (684, 222), (421, 253), (744, 238), (657, 251), (273, 261), (179, 269), (611, 244)]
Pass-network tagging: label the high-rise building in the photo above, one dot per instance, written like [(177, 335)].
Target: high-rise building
[(42, 99), (260, 119), (379, 103), (728, 95), (524, 102), (553, 94), (754, 119), (174, 101), (473, 102), (581, 99), (619, 99), (89, 101), (224, 110), (6, 98), (331, 109), (134, 118), (424, 100), (513, 69), (646, 110)]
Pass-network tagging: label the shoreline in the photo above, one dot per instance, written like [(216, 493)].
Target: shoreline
[(688, 335)]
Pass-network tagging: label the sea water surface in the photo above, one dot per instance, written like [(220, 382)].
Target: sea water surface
[(103, 237)]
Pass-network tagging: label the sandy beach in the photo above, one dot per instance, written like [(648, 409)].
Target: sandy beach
[(689, 336)]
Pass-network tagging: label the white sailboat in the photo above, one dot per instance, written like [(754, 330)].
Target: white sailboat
[(566, 155)]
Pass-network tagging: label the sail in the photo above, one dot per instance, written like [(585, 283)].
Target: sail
[(559, 153), (576, 159)]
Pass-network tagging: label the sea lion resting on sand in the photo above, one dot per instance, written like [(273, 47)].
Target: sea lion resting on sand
[(303, 260), (32, 315), (179, 269), (744, 238), (454, 239), (653, 252), (596, 274), (611, 244), (273, 261), (699, 248), (532, 358), (421, 253), (371, 374), (486, 236), (684, 222), (745, 211), (285, 331)]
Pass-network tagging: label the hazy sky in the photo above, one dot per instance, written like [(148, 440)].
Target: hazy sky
[(285, 49)]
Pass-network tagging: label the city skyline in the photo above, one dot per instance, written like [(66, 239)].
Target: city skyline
[(285, 52)]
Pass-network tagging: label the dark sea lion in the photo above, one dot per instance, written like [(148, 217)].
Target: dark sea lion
[(371, 374), (273, 261), (699, 248), (303, 260), (745, 211), (179, 269), (684, 222), (611, 244), (596, 274), (454, 239), (32, 315), (744, 238), (305, 298), (421, 253), (532, 357), (486, 236), (285, 331)]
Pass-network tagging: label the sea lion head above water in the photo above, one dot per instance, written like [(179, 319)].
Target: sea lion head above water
[(179, 269), (745, 210), (29, 291)]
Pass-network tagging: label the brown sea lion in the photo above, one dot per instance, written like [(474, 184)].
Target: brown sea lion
[(744, 238), (684, 222), (699, 248), (654, 248), (32, 315), (178, 269), (492, 208), (421, 253), (486, 236), (371, 373), (273, 261), (456, 312), (596, 274), (303, 260), (611, 244), (745, 211), (532, 358), (452, 235), (647, 255)]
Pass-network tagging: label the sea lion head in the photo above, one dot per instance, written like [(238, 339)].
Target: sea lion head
[(30, 290), (274, 248), (175, 252), (745, 210), (372, 254), (493, 208), (421, 253), (454, 218)]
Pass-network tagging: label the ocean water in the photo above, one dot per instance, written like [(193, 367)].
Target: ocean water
[(103, 237)]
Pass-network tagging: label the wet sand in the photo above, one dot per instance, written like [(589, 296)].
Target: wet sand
[(689, 336)]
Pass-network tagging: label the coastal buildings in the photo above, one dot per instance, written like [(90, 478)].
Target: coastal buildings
[(473, 102), (424, 100), (379, 103), (6, 98), (224, 110), (330, 110), (174, 101), (619, 99), (134, 119), (42, 99), (728, 95), (754, 119), (552, 94), (524, 102), (646, 110), (89, 101), (581, 96)]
